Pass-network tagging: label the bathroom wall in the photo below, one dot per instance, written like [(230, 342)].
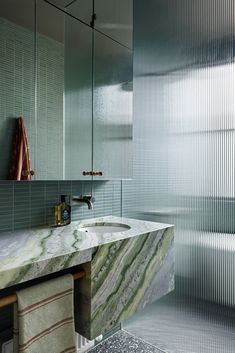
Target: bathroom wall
[(184, 136), (29, 204)]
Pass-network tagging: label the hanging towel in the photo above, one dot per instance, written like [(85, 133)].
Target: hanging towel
[(20, 164), (44, 318)]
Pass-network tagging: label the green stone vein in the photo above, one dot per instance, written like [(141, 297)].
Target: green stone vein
[(24, 269), (104, 250), (129, 258), (141, 258), (150, 270)]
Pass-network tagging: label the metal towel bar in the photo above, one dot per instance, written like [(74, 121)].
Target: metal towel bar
[(12, 298)]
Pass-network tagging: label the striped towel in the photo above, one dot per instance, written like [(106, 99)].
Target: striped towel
[(20, 164), (44, 318)]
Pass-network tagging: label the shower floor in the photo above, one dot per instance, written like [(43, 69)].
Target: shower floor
[(182, 326)]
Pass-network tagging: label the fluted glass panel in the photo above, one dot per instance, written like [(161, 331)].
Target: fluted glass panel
[(184, 137)]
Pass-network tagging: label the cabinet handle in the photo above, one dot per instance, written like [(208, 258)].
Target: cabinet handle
[(97, 173), (28, 172), (87, 173), (91, 173)]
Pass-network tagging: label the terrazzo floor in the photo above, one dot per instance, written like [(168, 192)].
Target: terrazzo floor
[(124, 342)]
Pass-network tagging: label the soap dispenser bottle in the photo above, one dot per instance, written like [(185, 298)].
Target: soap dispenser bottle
[(63, 211)]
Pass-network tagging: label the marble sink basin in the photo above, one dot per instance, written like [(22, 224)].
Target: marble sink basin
[(103, 228)]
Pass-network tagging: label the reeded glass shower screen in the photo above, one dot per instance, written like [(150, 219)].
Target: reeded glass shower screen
[(184, 137)]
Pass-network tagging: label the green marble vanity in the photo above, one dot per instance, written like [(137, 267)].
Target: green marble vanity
[(128, 263)]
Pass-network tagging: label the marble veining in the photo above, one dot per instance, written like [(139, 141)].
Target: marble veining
[(31, 253), (122, 278)]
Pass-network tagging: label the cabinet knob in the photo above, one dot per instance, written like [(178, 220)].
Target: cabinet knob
[(98, 173), (87, 173)]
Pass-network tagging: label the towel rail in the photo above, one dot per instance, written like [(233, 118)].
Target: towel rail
[(12, 298)]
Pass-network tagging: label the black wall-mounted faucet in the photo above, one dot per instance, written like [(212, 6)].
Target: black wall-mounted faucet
[(89, 200)]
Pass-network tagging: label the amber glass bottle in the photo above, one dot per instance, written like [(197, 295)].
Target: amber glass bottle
[(63, 212)]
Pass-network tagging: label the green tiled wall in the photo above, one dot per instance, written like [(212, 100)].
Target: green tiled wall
[(29, 204)]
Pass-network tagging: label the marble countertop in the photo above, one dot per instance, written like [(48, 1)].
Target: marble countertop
[(32, 253)]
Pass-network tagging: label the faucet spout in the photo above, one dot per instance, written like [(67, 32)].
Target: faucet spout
[(89, 200)]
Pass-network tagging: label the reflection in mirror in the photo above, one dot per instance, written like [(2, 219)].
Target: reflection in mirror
[(49, 92), (113, 91), (80, 9), (64, 95), (115, 19), (78, 99), (17, 72), (43, 80), (74, 106)]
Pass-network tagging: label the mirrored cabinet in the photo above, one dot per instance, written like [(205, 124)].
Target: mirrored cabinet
[(17, 78), (79, 9), (115, 19), (71, 81), (49, 92), (112, 108), (78, 99)]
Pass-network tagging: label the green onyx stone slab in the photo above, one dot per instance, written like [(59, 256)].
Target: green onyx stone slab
[(122, 278)]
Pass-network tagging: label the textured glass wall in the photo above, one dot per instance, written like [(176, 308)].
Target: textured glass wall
[(184, 135)]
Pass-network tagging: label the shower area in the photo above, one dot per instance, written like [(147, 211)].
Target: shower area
[(184, 165)]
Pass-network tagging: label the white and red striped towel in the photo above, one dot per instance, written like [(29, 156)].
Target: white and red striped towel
[(20, 164), (44, 318)]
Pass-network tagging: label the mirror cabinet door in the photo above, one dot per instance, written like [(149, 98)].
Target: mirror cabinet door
[(78, 100), (80, 9), (112, 120), (17, 79), (115, 19), (64, 95), (50, 91)]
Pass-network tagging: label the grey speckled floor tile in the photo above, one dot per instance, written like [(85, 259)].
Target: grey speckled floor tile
[(123, 342), (180, 325)]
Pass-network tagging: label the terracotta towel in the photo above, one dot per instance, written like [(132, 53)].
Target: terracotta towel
[(44, 318), (20, 165)]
